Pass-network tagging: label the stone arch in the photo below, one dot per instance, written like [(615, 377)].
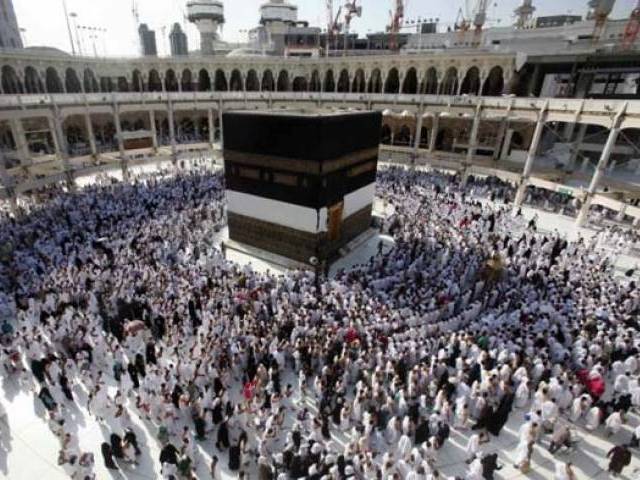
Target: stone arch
[(445, 139), (204, 80), (403, 137), (392, 85), (329, 81), (54, 84), (137, 84), (343, 81), (187, 80), (450, 83), (170, 81), (385, 135), (155, 82), (90, 82), (252, 84), (471, 83), (71, 81), (424, 137), (410, 84), (268, 83), (221, 81), (236, 84), (430, 82), (106, 84), (32, 82), (123, 84), (359, 83), (494, 84), (375, 82), (315, 84), (283, 81), (300, 84), (10, 81)]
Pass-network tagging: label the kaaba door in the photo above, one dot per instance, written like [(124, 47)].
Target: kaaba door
[(335, 221)]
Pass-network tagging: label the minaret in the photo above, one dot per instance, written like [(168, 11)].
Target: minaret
[(524, 13), (208, 16)]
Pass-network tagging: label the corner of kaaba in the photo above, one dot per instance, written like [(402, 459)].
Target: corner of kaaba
[(300, 184)]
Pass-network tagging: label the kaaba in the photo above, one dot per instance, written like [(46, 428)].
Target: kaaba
[(300, 184)]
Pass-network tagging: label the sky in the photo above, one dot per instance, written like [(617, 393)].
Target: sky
[(44, 22)]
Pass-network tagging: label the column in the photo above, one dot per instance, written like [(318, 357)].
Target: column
[(90, 134), (212, 127), (179, 80), (42, 75), (416, 143), (506, 146), (481, 79), (172, 131), (20, 139), (164, 84), (7, 183), (621, 213), (124, 161), (602, 165), (154, 131), (221, 124), (459, 89), (60, 142), (575, 149), (473, 141), (434, 132), (502, 131), (533, 150)]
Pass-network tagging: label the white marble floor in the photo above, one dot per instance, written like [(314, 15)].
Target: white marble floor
[(28, 449)]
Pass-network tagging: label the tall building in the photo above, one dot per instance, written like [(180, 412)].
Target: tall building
[(208, 17), (148, 41), (9, 30), (178, 41)]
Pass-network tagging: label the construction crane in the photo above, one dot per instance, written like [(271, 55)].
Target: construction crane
[(135, 12), (480, 15), (352, 10), (396, 23), (632, 28), (475, 16), (600, 11), (334, 27)]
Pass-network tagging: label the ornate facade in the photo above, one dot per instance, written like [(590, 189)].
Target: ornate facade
[(474, 74)]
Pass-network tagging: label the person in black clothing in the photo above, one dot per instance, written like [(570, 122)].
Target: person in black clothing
[(107, 456), (222, 442), (133, 374), (130, 438), (150, 353), (490, 466), (64, 385), (235, 456), (169, 454)]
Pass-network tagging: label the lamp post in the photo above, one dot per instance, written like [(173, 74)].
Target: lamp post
[(74, 16), (66, 16)]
